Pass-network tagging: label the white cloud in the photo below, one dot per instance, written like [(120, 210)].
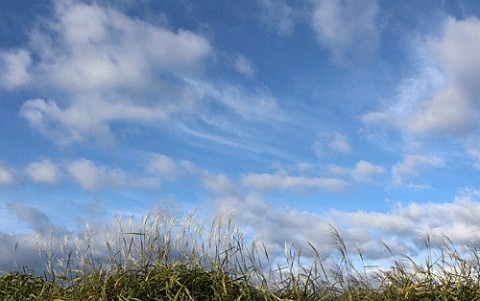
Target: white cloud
[(277, 15), (85, 118), (269, 182), (43, 172), (474, 152), (340, 144), (163, 165), (109, 67), (91, 177), (419, 186), (100, 48), (403, 228), (365, 171), (15, 65), (442, 98), (244, 66), (7, 176), (409, 167), (85, 173), (454, 107), (331, 143), (218, 184), (256, 105), (362, 172), (347, 28)]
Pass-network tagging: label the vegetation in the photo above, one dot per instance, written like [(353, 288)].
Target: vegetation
[(166, 260)]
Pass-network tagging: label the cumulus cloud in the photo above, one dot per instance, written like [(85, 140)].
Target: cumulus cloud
[(410, 165), (162, 165), (7, 175), (91, 177), (218, 184), (244, 66), (86, 117), (100, 48), (347, 28), (365, 171), (331, 143), (36, 219), (282, 181), (109, 67), (403, 228), (15, 65), (454, 107), (43, 172), (443, 97), (277, 15), (474, 152)]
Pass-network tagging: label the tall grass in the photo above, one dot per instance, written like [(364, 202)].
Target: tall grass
[(162, 257)]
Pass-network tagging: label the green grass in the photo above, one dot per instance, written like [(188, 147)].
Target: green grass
[(167, 259)]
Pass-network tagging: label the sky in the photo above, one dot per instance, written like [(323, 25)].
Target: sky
[(293, 116)]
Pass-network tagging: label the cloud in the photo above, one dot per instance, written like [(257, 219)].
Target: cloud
[(474, 152), (100, 48), (454, 108), (43, 172), (36, 219), (15, 65), (347, 28), (256, 105), (365, 171), (244, 66), (271, 182), (18, 250), (403, 228), (218, 184), (85, 118), (277, 15), (409, 167), (163, 165), (108, 67), (91, 177), (442, 98), (8, 176), (331, 143)]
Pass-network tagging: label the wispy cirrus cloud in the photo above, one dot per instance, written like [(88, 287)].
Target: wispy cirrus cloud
[(282, 181)]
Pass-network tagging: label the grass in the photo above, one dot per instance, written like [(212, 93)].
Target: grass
[(162, 258)]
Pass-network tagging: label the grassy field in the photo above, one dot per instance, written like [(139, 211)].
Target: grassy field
[(163, 259)]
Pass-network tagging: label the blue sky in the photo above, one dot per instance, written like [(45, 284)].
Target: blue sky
[(291, 115)]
